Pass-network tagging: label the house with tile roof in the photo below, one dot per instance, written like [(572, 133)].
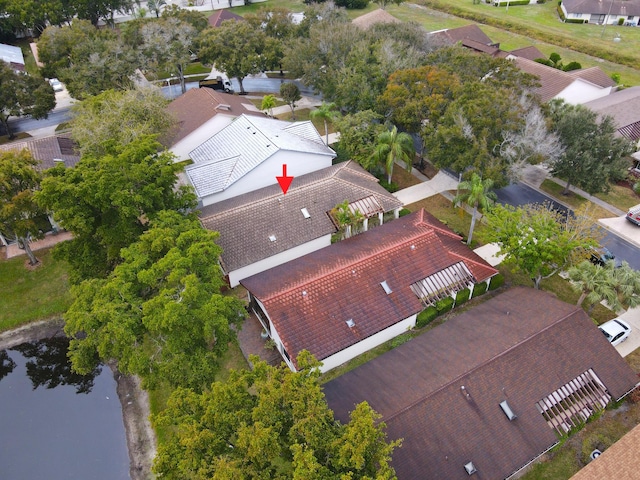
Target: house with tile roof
[(264, 228), (624, 107), (597, 11), (574, 87), (343, 300), (200, 114), (49, 151), (250, 152), (491, 389)]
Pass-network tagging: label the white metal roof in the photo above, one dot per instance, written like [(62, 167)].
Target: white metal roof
[(11, 54)]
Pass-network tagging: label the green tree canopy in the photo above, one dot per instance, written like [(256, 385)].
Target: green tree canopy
[(475, 192), (290, 93), (358, 135), (393, 146), (270, 423), (160, 313), (328, 114), (536, 239), (119, 118), (23, 95), (19, 180), (107, 202), (593, 155)]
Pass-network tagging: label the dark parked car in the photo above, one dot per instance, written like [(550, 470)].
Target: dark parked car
[(601, 255)]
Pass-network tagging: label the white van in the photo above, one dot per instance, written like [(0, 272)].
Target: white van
[(634, 215)]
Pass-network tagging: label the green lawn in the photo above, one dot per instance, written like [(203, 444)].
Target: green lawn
[(620, 196), (29, 295), (573, 199)]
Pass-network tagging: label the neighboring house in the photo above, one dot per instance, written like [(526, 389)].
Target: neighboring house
[(367, 20), (13, 56), (469, 33), (490, 390), (264, 228), (621, 461), (219, 16), (201, 113), (49, 151), (345, 299), (250, 152), (624, 107), (530, 53), (574, 87), (602, 12)]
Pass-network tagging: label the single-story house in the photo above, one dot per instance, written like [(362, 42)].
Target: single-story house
[(597, 11), (13, 56), (574, 87), (219, 16), (471, 33), (49, 151), (376, 16), (624, 107), (491, 389), (201, 113), (250, 152), (345, 299), (264, 228)]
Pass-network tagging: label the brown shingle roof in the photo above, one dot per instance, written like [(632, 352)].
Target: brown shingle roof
[(377, 16), (198, 105), (614, 7), (468, 32), (219, 16), (342, 282), (48, 149), (624, 107), (530, 53), (246, 222), (519, 346)]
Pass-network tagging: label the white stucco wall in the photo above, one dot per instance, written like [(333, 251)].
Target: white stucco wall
[(286, 256), (580, 92), (265, 173), (200, 135)]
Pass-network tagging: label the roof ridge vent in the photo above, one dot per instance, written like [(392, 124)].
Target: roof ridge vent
[(223, 106)]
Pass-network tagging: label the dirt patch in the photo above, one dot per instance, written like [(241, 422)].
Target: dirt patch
[(141, 442)]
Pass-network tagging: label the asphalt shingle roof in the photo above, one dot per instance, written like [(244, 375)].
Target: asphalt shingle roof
[(243, 145), (246, 222), (48, 149), (310, 299), (520, 346), (624, 107), (614, 7)]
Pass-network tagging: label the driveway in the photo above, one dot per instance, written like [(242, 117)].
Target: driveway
[(632, 317)]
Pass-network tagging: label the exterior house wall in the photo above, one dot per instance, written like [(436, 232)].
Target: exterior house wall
[(368, 343), (580, 92), (236, 275), (200, 135), (265, 174)]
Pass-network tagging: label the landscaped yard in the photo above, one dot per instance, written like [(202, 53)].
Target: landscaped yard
[(27, 295), (573, 199)]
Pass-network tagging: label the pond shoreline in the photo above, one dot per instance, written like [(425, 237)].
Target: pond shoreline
[(141, 441)]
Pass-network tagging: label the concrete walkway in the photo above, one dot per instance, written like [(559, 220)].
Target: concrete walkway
[(438, 184)]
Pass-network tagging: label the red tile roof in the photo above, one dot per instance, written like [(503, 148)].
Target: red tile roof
[(219, 16), (310, 299), (520, 346)]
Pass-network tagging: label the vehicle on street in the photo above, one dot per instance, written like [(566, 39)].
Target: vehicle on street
[(601, 255), (616, 331), (56, 84), (634, 215), (217, 83)]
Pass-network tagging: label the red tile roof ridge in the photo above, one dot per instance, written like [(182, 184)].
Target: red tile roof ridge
[(358, 259), (479, 366)]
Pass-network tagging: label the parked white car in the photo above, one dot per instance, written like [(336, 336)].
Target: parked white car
[(616, 331), (56, 84)]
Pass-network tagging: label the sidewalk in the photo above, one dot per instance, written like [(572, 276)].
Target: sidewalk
[(49, 240)]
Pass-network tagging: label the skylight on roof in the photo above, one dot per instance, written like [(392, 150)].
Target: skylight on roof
[(272, 238), (386, 287), (350, 323), (305, 213), (507, 410), (470, 468)]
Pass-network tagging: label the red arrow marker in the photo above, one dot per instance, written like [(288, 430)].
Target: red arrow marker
[(284, 181)]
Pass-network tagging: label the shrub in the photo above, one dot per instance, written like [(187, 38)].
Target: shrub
[(636, 188), (403, 212), (462, 296), (496, 282), (444, 305), (426, 316), (400, 339), (479, 289), (389, 187), (572, 66), (620, 21)]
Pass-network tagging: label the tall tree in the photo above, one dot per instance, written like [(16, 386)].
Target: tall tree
[(290, 93), (358, 135), (107, 201), (327, 113), (23, 95), (537, 239), (160, 313), (270, 423), (119, 117), (236, 48), (593, 155), (19, 180), (193, 17), (394, 146), (475, 192)]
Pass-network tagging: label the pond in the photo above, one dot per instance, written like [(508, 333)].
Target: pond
[(55, 424)]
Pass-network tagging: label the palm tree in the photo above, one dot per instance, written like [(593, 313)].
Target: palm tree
[(475, 193), (393, 146), (593, 283), (268, 102), (327, 113)]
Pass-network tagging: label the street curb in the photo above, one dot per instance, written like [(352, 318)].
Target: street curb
[(618, 234)]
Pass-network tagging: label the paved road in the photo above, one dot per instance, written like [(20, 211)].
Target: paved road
[(520, 194)]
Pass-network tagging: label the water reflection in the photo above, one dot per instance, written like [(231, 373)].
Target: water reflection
[(48, 365), (6, 364)]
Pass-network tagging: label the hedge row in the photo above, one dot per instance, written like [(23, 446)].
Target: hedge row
[(525, 30)]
